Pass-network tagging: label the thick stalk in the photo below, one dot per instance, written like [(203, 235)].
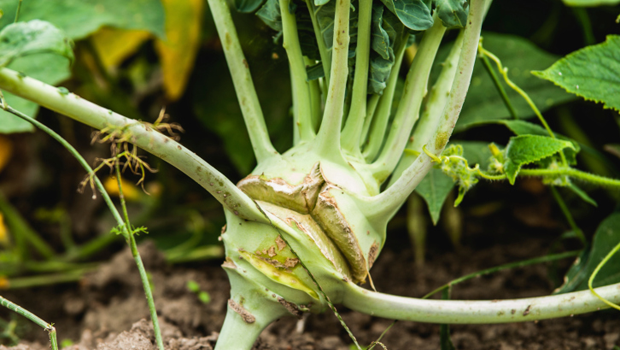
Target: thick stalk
[(302, 107), (476, 312), (409, 107), (377, 123), (373, 101), (435, 104), (242, 79), (384, 205), (327, 142), (351, 134), (141, 134)]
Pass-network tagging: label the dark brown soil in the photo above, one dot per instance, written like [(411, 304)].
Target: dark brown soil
[(107, 310)]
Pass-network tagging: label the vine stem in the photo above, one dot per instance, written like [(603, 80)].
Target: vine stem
[(569, 217), (142, 135), (479, 311), (242, 79), (48, 327), (593, 276), (136, 255)]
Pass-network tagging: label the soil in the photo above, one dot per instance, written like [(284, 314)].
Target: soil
[(107, 310)]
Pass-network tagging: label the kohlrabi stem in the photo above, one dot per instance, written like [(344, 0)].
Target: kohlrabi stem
[(386, 203), (377, 122), (476, 312), (141, 134), (350, 139), (432, 110), (302, 108), (569, 217), (48, 327), (327, 142), (242, 79), (136, 255), (409, 106), (373, 101), (325, 55)]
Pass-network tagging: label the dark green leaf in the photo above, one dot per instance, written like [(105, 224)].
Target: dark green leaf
[(453, 13), (526, 149), (315, 72), (270, 14), (476, 153), (576, 274), (579, 192), (414, 14), (80, 18), (434, 188), (247, 6), (33, 37), (605, 239), (592, 73), (484, 103)]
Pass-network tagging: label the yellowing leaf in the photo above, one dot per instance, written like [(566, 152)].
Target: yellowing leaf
[(130, 191), (178, 52), (6, 149), (115, 45), (4, 237)]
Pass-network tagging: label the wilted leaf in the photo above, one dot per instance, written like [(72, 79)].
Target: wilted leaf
[(414, 14), (592, 73), (434, 188), (80, 18), (178, 51), (34, 37), (453, 13), (115, 45), (484, 103), (526, 149), (605, 239)]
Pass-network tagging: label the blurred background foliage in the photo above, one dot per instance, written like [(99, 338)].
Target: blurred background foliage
[(137, 57)]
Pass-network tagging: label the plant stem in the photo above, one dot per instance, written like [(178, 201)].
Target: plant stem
[(385, 204), (327, 142), (477, 312), (325, 55), (568, 215), (352, 132), (373, 101), (586, 25), (409, 106), (302, 108), (136, 255), (44, 280), (574, 173), (595, 272), (377, 123), (435, 104), (242, 79), (49, 328), (498, 86), (140, 134)]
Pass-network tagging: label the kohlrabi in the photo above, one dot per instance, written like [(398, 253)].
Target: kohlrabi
[(305, 227)]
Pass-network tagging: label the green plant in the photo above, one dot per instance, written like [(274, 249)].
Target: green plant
[(305, 227)]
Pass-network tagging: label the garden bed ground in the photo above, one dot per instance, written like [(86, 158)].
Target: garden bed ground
[(107, 310)]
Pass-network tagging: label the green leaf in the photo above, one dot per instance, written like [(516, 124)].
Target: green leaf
[(592, 73), (590, 3), (476, 152), (49, 68), (414, 14), (315, 72), (484, 103), (247, 6), (270, 14), (579, 192), (605, 239), (526, 149), (386, 36), (453, 13), (80, 18), (434, 188), (33, 37)]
